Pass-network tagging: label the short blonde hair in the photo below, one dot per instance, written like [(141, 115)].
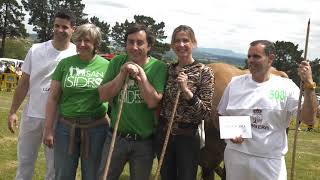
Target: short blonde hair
[(91, 30)]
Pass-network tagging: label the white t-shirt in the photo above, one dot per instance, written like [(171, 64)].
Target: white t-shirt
[(40, 64), (270, 105)]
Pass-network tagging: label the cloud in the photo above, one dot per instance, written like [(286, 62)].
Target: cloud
[(185, 12), (111, 4), (315, 24), (281, 11), (215, 20), (244, 26)]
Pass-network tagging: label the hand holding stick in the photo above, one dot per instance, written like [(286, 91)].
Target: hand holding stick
[(114, 134)]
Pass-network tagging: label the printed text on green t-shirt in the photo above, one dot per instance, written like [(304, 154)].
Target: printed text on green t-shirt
[(133, 93), (83, 78)]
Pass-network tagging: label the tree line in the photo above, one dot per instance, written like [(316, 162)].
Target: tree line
[(41, 13)]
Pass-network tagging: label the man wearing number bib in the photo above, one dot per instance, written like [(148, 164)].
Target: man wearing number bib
[(270, 101)]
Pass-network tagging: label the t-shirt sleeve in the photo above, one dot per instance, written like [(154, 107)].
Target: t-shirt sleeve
[(293, 98), (58, 72), (26, 66), (160, 78), (111, 71), (222, 106)]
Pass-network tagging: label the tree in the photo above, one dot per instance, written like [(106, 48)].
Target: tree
[(315, 66), (118, 31), (105, 30), (288, 57), (17, 48), (42, 14), (11, 17)]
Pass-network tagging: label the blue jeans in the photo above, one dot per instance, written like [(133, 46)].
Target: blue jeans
[(138, 153), (181, 158), (66, 164)]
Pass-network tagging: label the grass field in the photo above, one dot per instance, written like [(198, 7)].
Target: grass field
[(307, 157)]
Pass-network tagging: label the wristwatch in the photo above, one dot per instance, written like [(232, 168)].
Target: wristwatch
[(311, 86)]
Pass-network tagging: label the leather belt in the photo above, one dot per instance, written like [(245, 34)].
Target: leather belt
[(180, 131), (130, 136)]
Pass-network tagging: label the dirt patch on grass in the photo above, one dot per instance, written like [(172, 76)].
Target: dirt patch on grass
[(10, 164), (8, 140)]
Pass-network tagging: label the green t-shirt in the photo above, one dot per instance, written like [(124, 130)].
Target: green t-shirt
[(79, 83), (136, 117)]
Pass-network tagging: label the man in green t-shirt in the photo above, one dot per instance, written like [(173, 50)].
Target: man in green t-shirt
[(147, 77)]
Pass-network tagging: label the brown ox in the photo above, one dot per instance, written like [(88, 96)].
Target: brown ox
[(212, 154)]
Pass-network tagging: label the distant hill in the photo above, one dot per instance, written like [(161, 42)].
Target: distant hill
[(210, 55)]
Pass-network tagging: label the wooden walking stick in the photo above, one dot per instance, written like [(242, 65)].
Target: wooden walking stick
[(299, 110), (164, 147), (116, 124)]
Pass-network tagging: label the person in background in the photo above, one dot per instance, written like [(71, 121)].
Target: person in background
[(82, 123), (10, 68), (37, 69), (195, 81), (2, 67), (271, 102), (18, 72), (134, 143)]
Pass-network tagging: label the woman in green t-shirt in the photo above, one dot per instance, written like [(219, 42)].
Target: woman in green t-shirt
[(82, 124)]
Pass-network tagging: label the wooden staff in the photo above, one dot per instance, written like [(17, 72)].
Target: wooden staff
[(164, 147), (116, 124), (299, 110)]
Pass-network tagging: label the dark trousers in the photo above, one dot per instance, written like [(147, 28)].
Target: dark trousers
[(181, 158)]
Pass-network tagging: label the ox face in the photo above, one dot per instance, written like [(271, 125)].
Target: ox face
[(183, 45), (137, 46), (258, 62)]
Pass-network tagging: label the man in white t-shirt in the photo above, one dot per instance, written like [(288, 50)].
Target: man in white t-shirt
[(270, 101), (37, 69)]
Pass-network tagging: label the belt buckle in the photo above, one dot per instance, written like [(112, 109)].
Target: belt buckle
[(128, 136), (174, 131), (132, 137)]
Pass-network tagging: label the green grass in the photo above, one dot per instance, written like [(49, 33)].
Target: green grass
[(307, 157)]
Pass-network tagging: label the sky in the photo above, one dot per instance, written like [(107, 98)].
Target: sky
[(224, 24)]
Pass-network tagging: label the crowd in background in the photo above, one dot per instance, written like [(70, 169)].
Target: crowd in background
[(10, 68)]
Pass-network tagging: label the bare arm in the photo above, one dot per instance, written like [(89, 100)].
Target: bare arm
[(51, 109), (110, 89), (18, 97), (147, 91), (310, 104), (309, 107)]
